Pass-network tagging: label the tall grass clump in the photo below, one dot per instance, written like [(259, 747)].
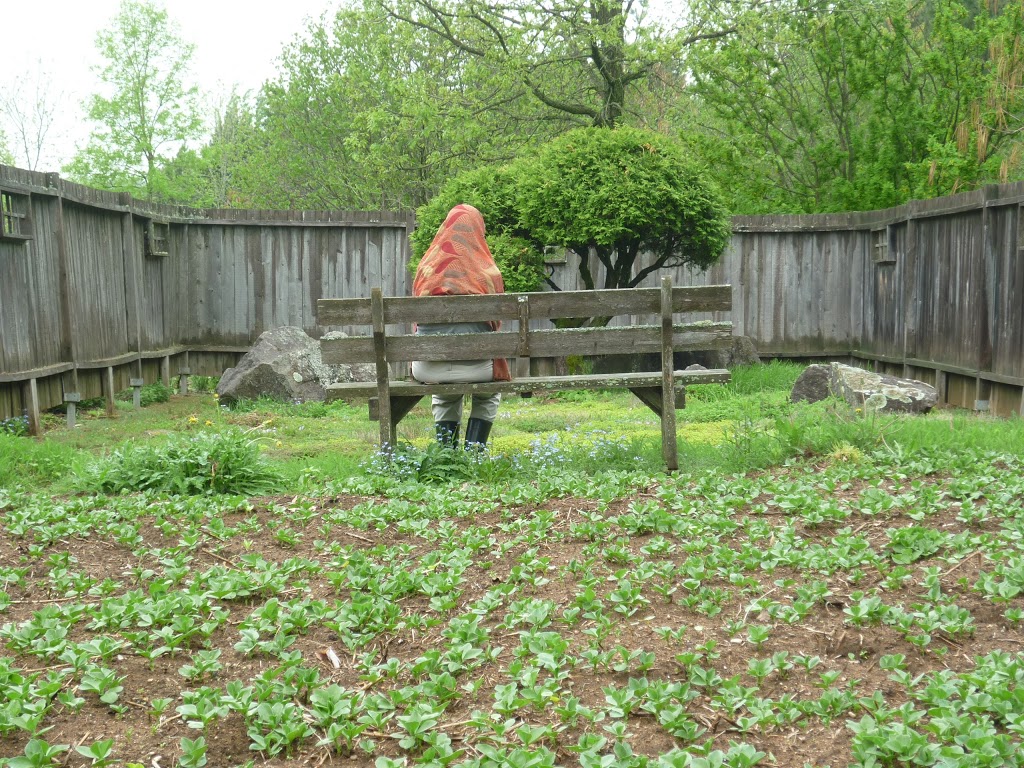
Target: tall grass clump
[(765, 377), (312, 409), (24, 461), (203, 463), (755, 391), (207, 384), (773, 376), (963, 431)]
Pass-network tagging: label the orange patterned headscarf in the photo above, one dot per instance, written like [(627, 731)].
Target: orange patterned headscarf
[(458, 262)]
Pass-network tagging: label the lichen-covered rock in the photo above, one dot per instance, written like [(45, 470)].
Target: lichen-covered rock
[(812, 385), (879, 392), (285, 364), (863, 389)]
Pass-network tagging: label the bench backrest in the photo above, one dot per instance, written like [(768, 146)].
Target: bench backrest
[(516, 310)]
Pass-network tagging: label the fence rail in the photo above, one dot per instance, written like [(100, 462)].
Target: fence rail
[(932, 289)]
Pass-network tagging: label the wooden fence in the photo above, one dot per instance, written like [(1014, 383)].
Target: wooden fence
[(933, 289), (86, 304)]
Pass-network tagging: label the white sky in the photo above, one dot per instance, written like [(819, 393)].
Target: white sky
[(237, 42)]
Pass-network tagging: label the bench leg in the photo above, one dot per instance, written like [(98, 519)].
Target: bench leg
[(401, 405), (649, 396)]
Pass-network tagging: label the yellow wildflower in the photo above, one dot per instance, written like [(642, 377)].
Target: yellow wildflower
[(193, 420), (209, 423)]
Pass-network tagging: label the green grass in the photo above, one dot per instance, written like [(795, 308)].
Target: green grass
[(36, 463), (743, 425)]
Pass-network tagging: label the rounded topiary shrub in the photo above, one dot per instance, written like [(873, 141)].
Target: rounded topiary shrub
[(622, 192)]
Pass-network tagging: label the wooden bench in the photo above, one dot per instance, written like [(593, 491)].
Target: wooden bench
[(516, 340)]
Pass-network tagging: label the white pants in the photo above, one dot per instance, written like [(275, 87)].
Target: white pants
[(449, 407)]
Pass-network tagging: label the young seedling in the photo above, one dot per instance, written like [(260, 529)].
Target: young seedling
[(98, 752), (193, 752), (38, 754)]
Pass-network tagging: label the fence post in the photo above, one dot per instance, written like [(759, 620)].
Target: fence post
[(108, 389), (32, 411), (72, 399), (183, 373), (911, 289), (136, 385)]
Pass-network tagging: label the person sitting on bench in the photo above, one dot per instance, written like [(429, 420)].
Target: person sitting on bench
[(458, 262)]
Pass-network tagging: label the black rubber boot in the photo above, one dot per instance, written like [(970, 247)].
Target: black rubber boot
[(447, 433), (477, 431)]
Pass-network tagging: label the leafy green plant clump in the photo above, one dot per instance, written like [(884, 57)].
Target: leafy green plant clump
[(203, 383), (204, 463), (31, 461)]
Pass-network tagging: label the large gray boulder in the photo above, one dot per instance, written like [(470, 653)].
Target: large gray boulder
[(812, 385), (285, 364), (864, 389)]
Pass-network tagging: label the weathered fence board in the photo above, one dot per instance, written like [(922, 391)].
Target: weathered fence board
[(1006, 292)]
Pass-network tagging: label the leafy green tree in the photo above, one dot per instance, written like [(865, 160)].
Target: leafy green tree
[(149, 110), (582, 60), (628, 199), (861, 107), (381, 104), (369, 113), (208, 177), (614, 195)]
